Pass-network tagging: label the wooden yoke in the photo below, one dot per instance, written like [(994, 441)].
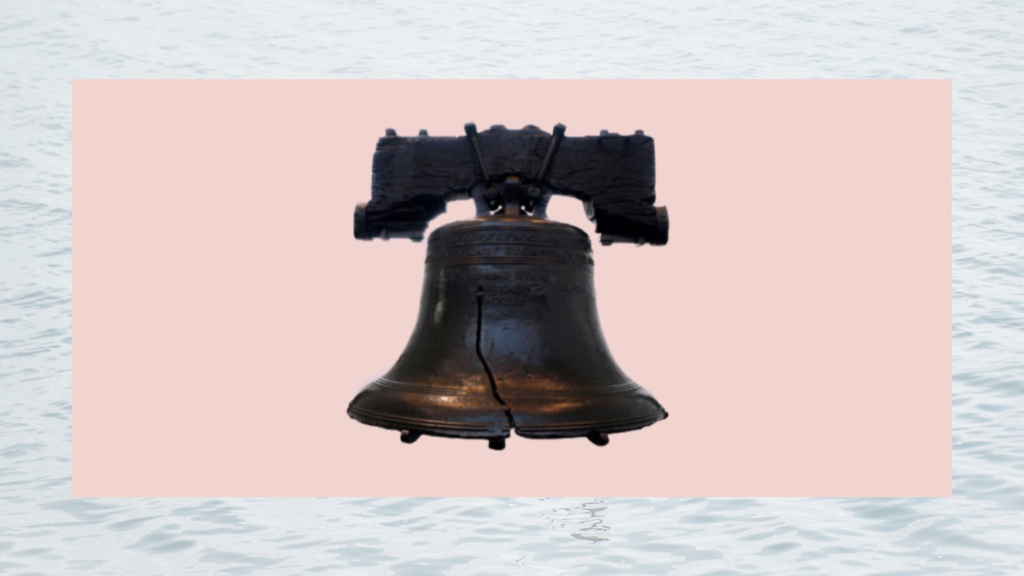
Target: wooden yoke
[(514, 172)]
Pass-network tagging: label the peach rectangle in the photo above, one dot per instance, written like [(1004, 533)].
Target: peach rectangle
[(797, 326)]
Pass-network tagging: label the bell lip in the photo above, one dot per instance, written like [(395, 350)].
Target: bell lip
[(428, 427), (569, 430), (578, 429)]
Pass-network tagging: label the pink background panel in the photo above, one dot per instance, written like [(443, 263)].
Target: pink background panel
[(796, 327)]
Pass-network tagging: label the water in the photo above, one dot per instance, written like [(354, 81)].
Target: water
[(45, 44)]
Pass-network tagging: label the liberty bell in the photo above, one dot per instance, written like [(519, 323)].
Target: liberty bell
[(508, 336)]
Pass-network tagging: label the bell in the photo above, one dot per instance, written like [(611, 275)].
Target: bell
[(507, 336)]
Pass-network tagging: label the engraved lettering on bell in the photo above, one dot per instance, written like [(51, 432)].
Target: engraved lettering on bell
[(508, 337)]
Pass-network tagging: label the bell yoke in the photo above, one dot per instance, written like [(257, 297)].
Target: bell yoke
[(508, 335)]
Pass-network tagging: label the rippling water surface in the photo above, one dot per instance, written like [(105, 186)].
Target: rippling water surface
[(45, 44)]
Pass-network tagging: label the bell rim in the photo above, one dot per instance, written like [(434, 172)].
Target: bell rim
[(578, 429), (450, 429), (447, 429)]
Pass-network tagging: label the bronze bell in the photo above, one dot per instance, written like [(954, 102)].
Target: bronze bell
[(508, 334)]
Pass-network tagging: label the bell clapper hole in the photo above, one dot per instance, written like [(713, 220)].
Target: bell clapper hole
[(598, 438)]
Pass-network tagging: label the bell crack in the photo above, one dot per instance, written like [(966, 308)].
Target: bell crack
[(480, 354)]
